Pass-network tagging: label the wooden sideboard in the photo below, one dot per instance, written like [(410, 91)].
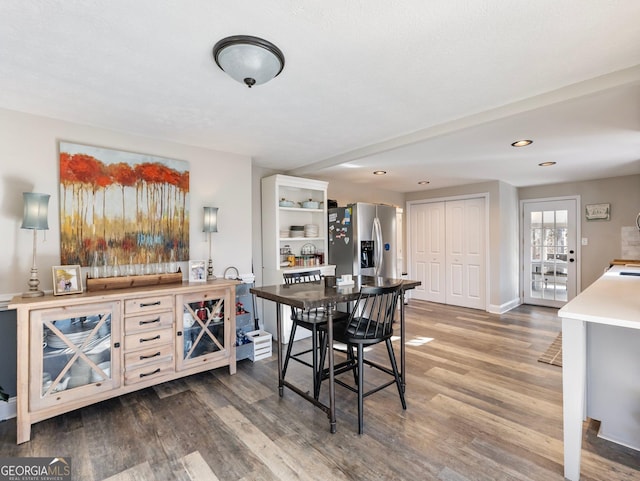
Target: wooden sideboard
[(76, 350)]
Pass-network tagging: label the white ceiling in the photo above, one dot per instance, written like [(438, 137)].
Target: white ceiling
[(426, 90)]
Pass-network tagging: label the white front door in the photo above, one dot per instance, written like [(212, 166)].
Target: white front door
[(549, 252)]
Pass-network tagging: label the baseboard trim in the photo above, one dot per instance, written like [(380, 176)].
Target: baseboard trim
[(8, 410), (507, 306)]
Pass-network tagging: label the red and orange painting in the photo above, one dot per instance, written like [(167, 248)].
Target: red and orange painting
[(121, 206)]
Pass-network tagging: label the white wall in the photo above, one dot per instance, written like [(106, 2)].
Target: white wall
[(348, 193), (604, 236), (29, 152), (29, 162)]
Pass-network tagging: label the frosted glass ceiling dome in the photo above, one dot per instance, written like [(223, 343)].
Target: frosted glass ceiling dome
[(249, 60)]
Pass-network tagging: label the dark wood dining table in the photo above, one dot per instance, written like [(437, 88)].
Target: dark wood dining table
[(316, 294)]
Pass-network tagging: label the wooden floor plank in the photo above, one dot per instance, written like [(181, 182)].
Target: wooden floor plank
[(480, 407), (197, 468)]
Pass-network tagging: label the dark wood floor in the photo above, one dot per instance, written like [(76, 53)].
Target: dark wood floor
[(480, 407)]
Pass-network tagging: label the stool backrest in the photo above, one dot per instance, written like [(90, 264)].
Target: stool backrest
[(373, 313)]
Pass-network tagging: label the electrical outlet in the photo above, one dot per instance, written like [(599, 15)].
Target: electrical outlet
[(585, 241)]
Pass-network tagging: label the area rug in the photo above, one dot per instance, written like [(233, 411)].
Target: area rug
[(553, 354)]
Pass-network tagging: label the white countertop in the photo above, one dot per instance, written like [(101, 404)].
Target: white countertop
[(613, 299)]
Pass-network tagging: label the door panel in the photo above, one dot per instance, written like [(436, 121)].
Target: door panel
[(550, 252), (428, 251), (465, 258), (448, 251)]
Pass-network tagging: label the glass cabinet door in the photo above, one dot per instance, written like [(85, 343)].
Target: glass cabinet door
[(73, 354), (202, 331)]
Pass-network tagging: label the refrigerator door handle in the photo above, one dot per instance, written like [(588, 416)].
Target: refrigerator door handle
[(377, 238)]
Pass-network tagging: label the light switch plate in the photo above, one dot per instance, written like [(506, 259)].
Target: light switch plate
[(585, 241)]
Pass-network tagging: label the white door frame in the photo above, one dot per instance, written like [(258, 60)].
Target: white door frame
[(487, 247), (578, 238)]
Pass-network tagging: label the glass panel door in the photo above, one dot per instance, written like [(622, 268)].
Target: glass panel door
[(203, 328), (549, 252), (76, 353)]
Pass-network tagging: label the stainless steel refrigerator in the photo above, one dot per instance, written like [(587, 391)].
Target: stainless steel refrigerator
[(362, 240)]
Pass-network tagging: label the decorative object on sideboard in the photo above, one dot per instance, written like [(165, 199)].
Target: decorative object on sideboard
[(137, 280), (66, 280), (197, 271), (210, 225), (249, 60), (35, 218)]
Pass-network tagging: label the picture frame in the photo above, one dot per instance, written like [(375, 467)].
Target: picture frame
[(597, 211), (67, 280), (197, 270)]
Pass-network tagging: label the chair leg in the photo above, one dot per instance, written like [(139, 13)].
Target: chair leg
[(289, 347), (360, 389), (394, 367), (323, 356), (351, 358), (314, 360)]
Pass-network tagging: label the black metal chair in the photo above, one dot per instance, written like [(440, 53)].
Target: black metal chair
[(310, 319), (370, 322)]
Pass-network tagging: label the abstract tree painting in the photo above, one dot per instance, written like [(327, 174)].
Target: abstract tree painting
[(122, 207)]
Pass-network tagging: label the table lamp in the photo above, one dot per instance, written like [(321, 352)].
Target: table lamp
[(210, 225), (35, 218)]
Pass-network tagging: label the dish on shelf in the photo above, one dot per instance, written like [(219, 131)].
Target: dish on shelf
[(310, 204), (311, 230), (286, 203), (296, 231)]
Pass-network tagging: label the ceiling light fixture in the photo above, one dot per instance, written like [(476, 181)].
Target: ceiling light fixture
[(249, 60), (546, 164), (521, 143), (423, 182), (379, 172)]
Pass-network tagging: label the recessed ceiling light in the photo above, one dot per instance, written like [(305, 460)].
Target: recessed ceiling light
[(423, 182), (379, 172), (546, 164), (522, 143)]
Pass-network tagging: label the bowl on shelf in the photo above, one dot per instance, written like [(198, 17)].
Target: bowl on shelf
[(310, 204), (296, 231)]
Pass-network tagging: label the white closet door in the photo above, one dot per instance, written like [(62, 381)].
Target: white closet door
[(428, 251), (465, 253)]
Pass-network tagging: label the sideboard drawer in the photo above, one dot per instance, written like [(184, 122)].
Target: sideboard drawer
[(148, 321), (148, 356), (149, 371), (147, 304), (148, 339)]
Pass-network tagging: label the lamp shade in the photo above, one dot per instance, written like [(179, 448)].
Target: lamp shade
[(249, 60), (35, 211), (210, 219)]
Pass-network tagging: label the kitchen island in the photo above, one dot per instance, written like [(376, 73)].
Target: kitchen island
[(606, 313)]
